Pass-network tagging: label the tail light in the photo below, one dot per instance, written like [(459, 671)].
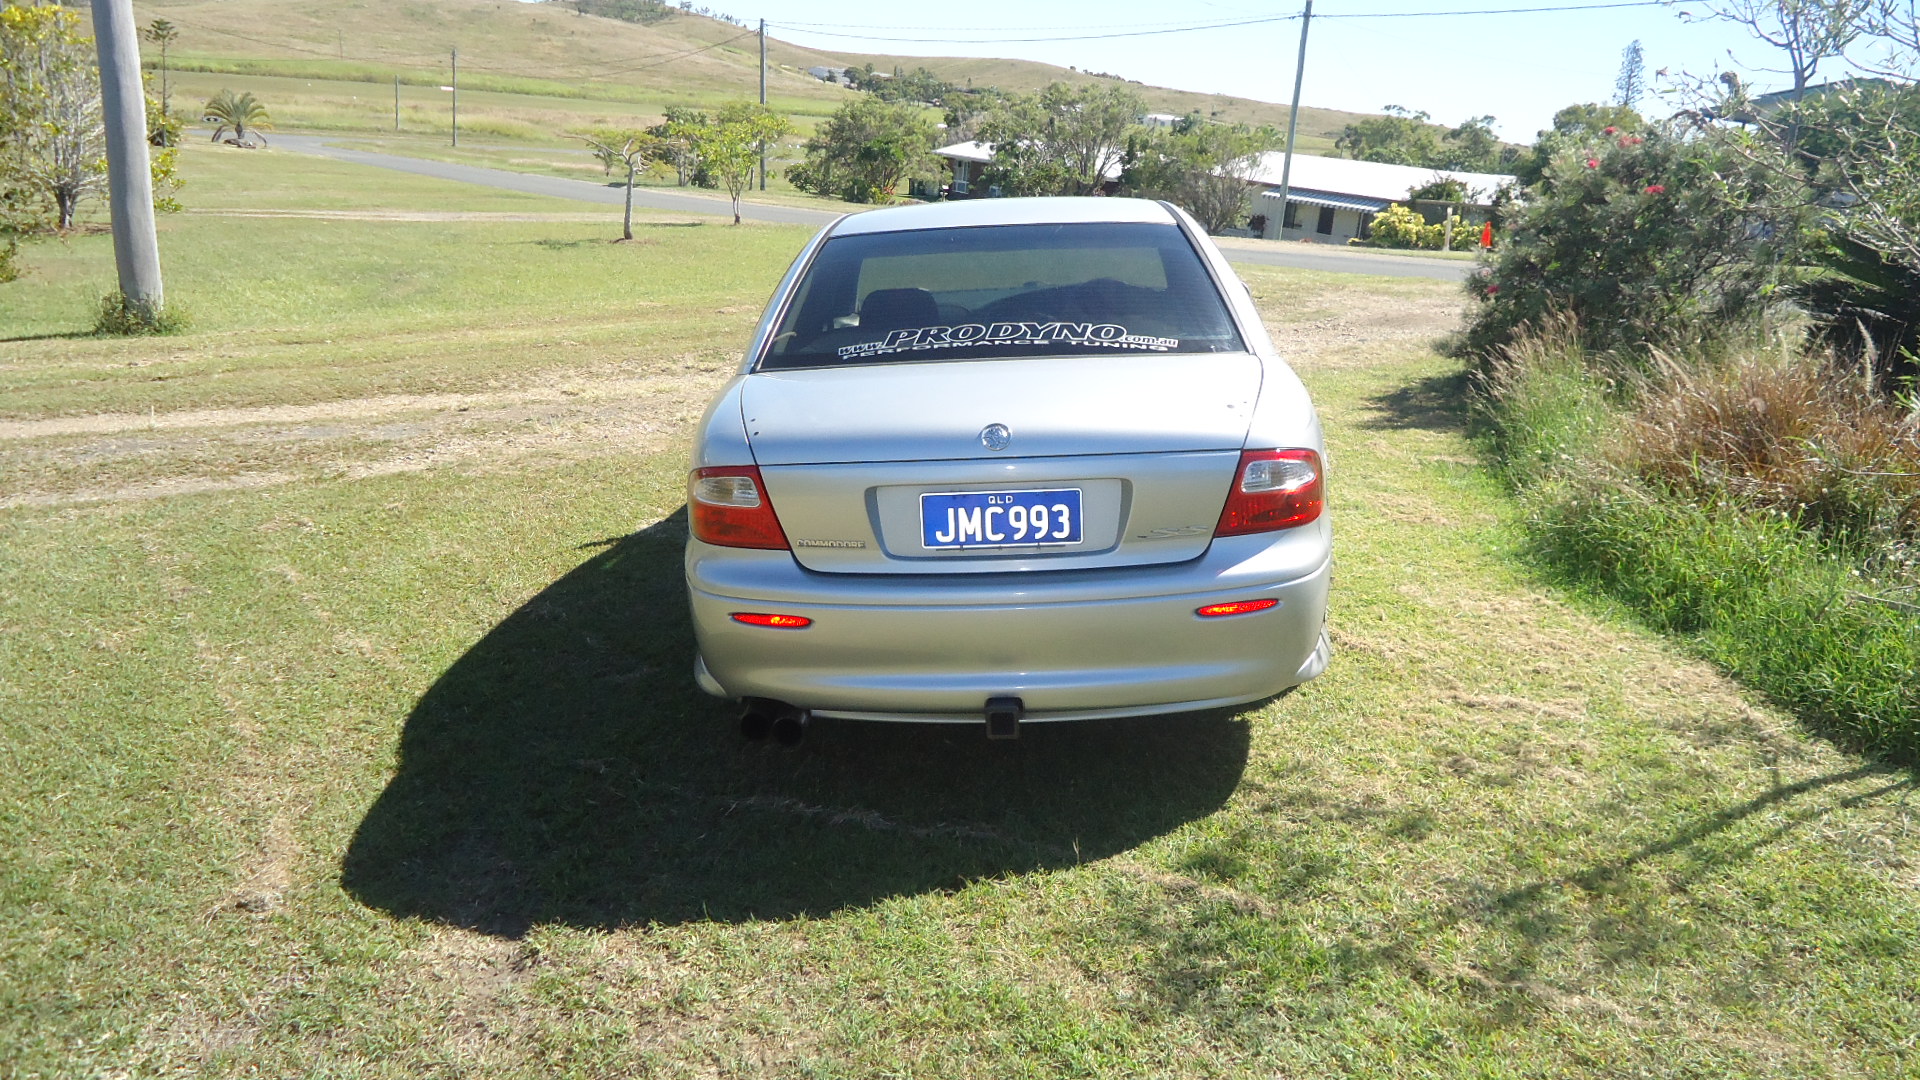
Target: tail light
[(772, 621), (1273, 489), (1236, 607), (729, 507)]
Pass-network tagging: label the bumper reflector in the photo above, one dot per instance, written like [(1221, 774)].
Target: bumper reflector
[(1237, 607), (776, 622)]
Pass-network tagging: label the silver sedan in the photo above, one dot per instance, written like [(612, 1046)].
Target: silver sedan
[(1005, 461)]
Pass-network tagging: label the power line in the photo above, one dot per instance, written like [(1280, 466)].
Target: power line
[(1027, 40), (1159, 29), (1493, 11), (1029, 29)]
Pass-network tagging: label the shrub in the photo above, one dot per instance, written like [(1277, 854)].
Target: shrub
[(1402, 227), (119, 317), (1654, 241)]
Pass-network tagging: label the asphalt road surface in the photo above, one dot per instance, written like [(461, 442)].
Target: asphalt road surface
[(559, 187), (1266, 253)]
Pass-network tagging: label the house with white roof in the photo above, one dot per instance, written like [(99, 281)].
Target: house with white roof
[(1329, 200), (968, 160), (1333, 200)]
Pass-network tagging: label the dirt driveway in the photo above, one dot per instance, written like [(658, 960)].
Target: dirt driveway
[(597, 405)]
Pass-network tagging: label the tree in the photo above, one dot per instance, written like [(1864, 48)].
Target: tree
[(163, 132), (1065, 140), (244, 115), (55, 144), (918, 85), (1473, 147), (1807, 31), (866, 150), (52, 138), (1398, 137), (631, 150), (1897, 24), (1631, 83), (1202, 168), (730, 145), (969, 108), (674, 146), (163, 33)]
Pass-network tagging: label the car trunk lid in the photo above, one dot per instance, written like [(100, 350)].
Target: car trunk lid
[(1111, 460)]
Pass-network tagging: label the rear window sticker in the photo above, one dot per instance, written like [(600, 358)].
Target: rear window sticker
[(913, 339)]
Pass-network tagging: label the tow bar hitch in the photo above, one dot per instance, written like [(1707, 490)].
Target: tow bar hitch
[(1003, 717)]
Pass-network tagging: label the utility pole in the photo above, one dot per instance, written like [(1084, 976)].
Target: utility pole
[(456, 97), (763, 99), (1293, 118), (123, 105), (396, 103)]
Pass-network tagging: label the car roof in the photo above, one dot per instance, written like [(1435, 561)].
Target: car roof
[(967, 213)]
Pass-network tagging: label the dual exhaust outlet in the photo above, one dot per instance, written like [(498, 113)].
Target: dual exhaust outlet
[(787, 724)]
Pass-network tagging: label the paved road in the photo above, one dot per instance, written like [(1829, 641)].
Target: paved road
[(1267, 253), (583, 190), (1342, 260)]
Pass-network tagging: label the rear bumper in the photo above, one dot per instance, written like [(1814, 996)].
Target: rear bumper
[(1073, 645)]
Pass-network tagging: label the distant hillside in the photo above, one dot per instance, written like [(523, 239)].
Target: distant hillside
[(550, 49)]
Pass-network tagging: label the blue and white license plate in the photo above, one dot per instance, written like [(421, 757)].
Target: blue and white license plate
[(986, 519)]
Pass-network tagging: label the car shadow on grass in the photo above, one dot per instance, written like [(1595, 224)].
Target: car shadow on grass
[(566, 771)]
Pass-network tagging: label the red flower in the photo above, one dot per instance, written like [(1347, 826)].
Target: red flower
[(1656, 189), (1492, 289), (1611, 131), (1631, 140), (1593, 163)]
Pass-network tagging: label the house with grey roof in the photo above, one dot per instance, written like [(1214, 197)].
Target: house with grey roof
[(1333, 200)]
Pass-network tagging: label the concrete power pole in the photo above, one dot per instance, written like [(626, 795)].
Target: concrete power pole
[(123, 104), (763, 99), (1293, 119), (456, 97)]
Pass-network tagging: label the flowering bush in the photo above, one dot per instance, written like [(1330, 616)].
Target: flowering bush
[(1403, 227), (1647, 241)]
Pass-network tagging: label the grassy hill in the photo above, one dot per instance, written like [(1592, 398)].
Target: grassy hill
[(553, 67)]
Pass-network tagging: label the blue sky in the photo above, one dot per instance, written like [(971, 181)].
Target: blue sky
[(1520, 68)]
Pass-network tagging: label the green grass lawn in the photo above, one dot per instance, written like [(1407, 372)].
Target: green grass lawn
[(347, 728)]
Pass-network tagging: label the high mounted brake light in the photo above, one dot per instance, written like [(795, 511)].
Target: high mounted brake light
[(728, 506), (1273, 489)]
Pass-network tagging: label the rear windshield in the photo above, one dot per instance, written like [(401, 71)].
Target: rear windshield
[(1001, 291)]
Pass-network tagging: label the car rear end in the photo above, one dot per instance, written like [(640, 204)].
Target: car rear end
[(1033, 452)]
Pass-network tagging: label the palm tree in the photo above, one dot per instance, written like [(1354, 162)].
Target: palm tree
[(243, 114)]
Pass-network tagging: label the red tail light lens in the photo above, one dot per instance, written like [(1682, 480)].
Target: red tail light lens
[(729, 507), (772, 621), (1273, 489), (1236, 607)]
